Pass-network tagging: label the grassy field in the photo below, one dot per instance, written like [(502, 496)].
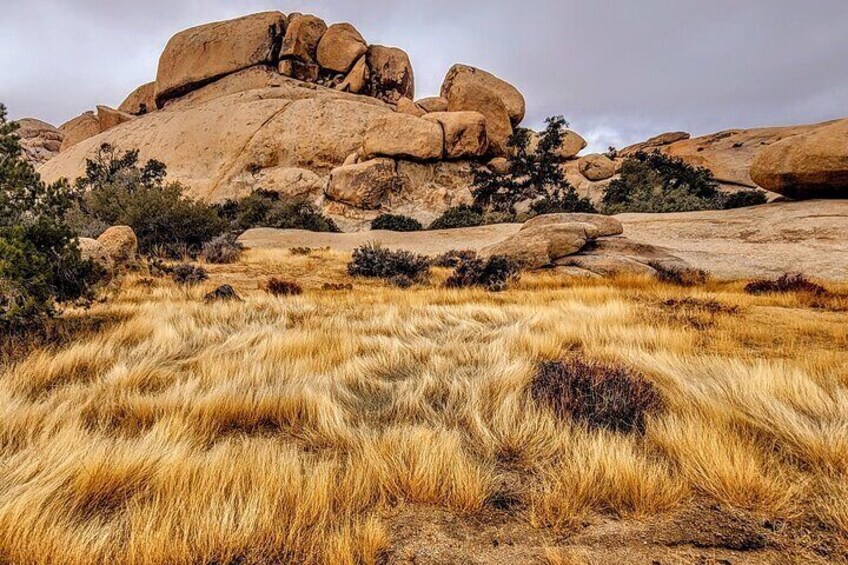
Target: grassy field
[(385, 425)]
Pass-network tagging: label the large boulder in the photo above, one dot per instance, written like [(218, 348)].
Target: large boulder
[(340, 47), (433, 104), (302, 38), (810, 165), (597, 167), (407, 106), (79, 129), (363, 185), (469, 96), (40, 141), (357, 79), (91, 249), (572, 144), (404, 136), (121, 243), (202, 54), (654, 143), (390, 71), (110, 117), (543, 245), (618, 256), (140, 101), (512, 99), (464, 133), (606, 225)]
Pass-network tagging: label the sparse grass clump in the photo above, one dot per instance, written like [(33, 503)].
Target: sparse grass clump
[(494, 274), (453, 258), (336, 287), (283, 287), (680, 276), (222, 250), (223, 293), (396, 222), (374, 261), (598, 395), (188, 274), (786, 283)]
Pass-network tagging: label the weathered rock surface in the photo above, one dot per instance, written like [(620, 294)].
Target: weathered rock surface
[(95, 251), (357, 79), (621, 256), (655, 143), (809, 165), (121, 243), (109, 117), (510, 96), (469, 96), (202, 54), (464, 133), (39, 140), (404, 136), (541, 246), (407, 106), (141, 100), (363, 185), (340, 47), (433, 104), (303, 34), (606, 225), (390, 71), (572, 144), (79, 129), (597, 167)]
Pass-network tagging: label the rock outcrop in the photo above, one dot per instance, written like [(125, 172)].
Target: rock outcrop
[(654, 143), (542, 245), (808, 165), (121, 243), (363, 185), (597, 167), (39, 140), (340, 48), (91, 249), (404, 136), (140, 101), (511, 98), (464, 133), (390, 72)]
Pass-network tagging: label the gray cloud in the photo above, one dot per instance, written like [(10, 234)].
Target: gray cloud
[(618, 70)]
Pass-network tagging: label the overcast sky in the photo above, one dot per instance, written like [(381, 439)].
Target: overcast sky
[(618, 70)]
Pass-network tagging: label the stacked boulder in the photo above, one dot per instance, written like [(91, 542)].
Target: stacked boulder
[(116, 248), (90, 124), (584, 245), (39, 140)]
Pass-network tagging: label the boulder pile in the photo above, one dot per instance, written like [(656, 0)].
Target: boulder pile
[(39, 140)]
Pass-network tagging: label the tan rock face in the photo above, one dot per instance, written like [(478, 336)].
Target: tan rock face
[(512, 99), (540, 246), (464, 133), (407, 106), (340, 47), (499, 165), (291, 182), (363, 185), (303, 35), (597, 167), (472, 97), (109, 117), (95, 251), (606, 225), (121, 243), (39, 140), (199, 55), (810, 165), (433, 104), (391, 76), (404, 136), (306, 72), (79, 129), (655, 143), (357, 79), (141, 100), (572, 144), (621, 256)]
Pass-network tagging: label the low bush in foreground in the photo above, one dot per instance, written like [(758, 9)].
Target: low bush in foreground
[(396, 222), (374, 261), (223, 250), (187, 274), (596, 394), (283, 287), (786, 283), (494, 274)]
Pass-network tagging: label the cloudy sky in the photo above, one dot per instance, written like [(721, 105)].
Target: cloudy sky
[(619, 70)]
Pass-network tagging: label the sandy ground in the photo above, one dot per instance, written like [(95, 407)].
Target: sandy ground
[(809, 237)]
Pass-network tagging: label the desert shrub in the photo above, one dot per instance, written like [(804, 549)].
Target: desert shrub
[(597, 395), (401, 281), (300, 251), (223, 293), (40, 261), (453, 258), (116, 190), (532, 175), (494, 274), (744, 198), (336, 287), (786, 283), (188, 274), (283, 287), (678, 275), (223, 249), (653, 182), (269, 209), (566, 202), (462, 216), (396, 222), (374, 261)]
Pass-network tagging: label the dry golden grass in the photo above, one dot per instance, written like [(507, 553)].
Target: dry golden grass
[(279, 429)]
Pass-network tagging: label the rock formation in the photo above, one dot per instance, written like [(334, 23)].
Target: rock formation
[(39, 140)]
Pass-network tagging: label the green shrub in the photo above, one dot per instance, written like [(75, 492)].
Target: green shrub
[(282, 287), (597, 395), (40, 261), (117, 191), (566, 202), (395, 222), (223, 249), (373, 261), (268, 209), (532, 175), (462, 216), (655, 183), (744, 198), (188, 274), (494, 274)]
